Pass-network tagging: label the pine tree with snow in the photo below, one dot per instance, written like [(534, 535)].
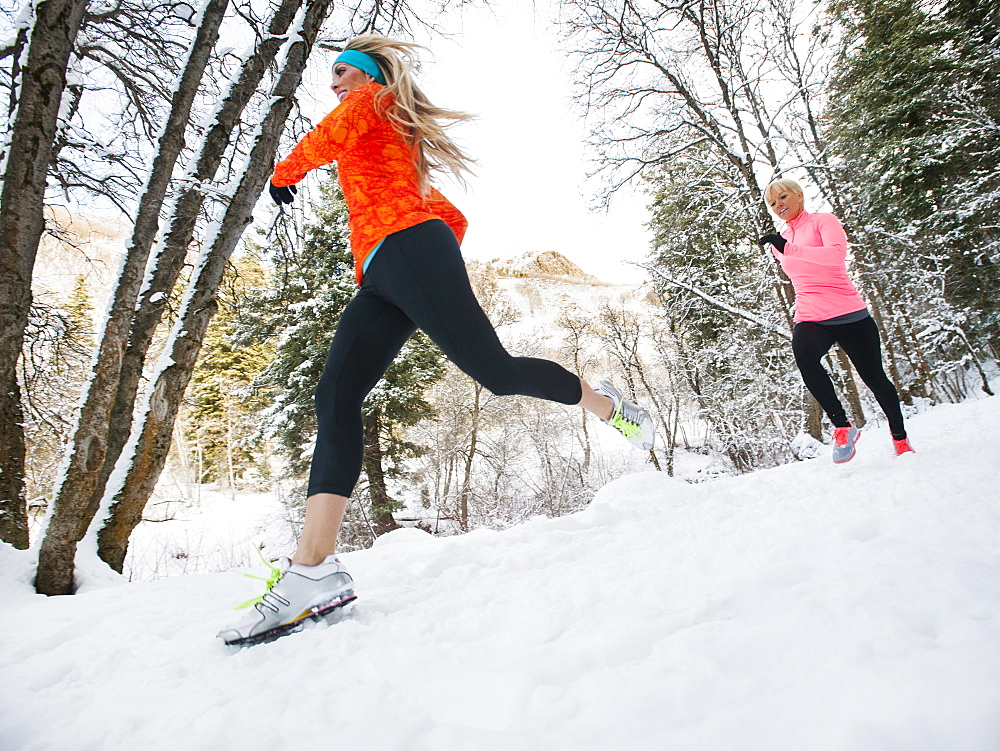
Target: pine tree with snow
[(740, 372), (298, 309), (915, 123), (223, 408)]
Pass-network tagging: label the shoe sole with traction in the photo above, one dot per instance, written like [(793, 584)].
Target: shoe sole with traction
[(315, 613)]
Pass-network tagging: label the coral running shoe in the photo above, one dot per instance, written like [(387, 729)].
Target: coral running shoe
[(295, 594), (631, 421), (902, 447), (843, 443)]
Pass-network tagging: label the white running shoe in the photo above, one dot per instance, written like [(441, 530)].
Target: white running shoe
[(631, 421), (843, 443), (295, 594)]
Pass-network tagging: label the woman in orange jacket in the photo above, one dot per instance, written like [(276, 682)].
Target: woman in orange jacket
[(387, 138)]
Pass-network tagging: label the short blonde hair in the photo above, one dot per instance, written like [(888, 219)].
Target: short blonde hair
[(782, 183)]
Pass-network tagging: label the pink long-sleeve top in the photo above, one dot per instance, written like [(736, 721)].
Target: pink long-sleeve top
[(815, 259)]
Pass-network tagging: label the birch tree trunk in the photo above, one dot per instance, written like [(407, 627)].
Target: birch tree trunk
[(73, 507), (26, 160), (144, 461)]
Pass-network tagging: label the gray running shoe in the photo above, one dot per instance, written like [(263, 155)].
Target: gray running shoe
[(631, 421), (843, 443), (295, 594)]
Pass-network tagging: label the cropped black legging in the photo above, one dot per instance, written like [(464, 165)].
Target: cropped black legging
[(860, 341), (416, 280)]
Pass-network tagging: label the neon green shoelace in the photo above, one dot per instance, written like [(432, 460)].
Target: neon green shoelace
[(625, 427), (269, 581)]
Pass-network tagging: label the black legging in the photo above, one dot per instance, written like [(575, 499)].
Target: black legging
[(417, 279), (860, 341)]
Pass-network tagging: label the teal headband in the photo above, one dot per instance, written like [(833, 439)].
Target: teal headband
[(362, 61)]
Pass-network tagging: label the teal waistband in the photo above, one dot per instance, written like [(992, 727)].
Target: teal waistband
[(368, 259)]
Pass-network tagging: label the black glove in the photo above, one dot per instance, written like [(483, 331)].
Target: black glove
[(283, 194), (776, 240)]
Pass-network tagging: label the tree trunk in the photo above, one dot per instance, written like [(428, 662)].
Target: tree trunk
[(813, 415), (150, 446), (466, 493), (25, 169), (888, 341), (381, 503), (169, 259), (74, 505)]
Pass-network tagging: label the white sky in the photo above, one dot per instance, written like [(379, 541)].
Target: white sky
[(530, 190)]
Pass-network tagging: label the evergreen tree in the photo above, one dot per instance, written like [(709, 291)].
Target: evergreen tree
[(80, 317), (700, 237), (741, 375), (299, 310), (223, 407), (914, 120)]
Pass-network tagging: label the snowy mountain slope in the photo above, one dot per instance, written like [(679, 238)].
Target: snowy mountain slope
[(810, 606), (541, 299), (91, 246)]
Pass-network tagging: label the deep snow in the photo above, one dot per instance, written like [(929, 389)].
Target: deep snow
[(810, 606)]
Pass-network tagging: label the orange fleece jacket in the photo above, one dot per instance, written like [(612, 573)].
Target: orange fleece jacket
[(377, 173)]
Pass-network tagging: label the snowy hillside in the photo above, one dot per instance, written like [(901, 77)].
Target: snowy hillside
[(90, 246), (542, 287), (811, 606)]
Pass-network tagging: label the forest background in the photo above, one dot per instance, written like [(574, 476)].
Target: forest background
[(214, 332)]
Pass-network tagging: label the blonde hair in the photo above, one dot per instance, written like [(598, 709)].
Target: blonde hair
[(412, 113), (782, 183)]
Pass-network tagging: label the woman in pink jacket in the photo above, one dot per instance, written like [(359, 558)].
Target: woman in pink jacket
[(812, 251)]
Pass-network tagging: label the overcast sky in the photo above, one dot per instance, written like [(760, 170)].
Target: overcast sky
[(530, 190)]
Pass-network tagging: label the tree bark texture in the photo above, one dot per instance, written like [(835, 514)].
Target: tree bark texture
[(30, 150), (466, 492), (850, 386), (380, 502), (169, 259), (152, 442), (73, 504)]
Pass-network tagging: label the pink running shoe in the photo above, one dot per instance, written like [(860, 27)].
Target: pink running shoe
[(843, 443), (902, 447)]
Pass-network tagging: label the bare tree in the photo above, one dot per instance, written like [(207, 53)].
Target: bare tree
[(124, 54), (578, 331), (24, 163), (73, 507), (183, 218), (126, 57), (144, 460)]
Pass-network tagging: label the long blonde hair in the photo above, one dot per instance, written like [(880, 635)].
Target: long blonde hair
[(412, 114)]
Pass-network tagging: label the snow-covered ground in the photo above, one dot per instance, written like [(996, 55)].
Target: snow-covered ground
[(810, 606)]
